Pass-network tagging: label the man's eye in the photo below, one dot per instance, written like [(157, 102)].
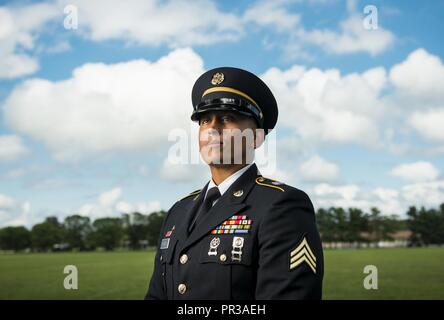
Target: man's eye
[(204, 121), (227, 118)]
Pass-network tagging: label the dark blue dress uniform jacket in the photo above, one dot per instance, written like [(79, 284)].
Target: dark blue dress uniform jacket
[(281, 253)]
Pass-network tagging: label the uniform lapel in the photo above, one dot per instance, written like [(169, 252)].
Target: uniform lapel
[(189, 214), (227, 206)]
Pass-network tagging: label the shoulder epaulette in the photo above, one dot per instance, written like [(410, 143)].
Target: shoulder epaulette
[(191, 194), (266, 182)]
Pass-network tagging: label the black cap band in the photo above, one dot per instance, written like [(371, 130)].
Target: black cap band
[(229, 104)]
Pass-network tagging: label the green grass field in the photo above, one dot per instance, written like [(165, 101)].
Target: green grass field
[(403, 274)]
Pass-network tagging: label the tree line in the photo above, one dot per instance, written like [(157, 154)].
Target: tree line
[(137, 231), (131, 231), (426, 226)]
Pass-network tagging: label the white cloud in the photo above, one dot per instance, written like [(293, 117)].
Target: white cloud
[(18, 28), (430, 123), (325, 195), (284, 176), (14, 212), (108, 204), (11, 147), (6, 202), (128, 106), (271, 14), (371, 108), (24, 216), (104, 206), (419, 76), (323, 106), (174, 23), (184, 173), (141, 207), (420, 171), (388, 200), (317, 169), (352, 37), (428, 194), (108, 198), (345, 192), (96, 211), (352, 196), (418, 95)]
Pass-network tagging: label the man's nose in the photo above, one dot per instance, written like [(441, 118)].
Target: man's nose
[(215, 124)]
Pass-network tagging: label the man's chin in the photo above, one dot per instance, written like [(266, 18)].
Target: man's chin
[(216, 158), (217, 161)]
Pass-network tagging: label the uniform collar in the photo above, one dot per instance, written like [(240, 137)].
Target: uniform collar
[(226, 184)]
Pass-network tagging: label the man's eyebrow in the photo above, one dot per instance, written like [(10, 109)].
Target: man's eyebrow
[(228, 113)]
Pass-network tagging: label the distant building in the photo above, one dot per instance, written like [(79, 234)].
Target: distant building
[(399, 239), (61, 246)]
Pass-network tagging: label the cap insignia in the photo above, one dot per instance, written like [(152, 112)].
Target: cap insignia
[(218, 78)]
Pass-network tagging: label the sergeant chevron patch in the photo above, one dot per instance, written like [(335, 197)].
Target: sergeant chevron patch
[(301, 254)]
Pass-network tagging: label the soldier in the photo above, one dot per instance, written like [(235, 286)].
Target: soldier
[(242, 236)]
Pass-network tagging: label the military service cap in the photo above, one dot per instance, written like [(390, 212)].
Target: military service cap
[(233, 89)]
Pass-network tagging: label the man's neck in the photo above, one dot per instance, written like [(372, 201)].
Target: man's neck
[(222, 171)]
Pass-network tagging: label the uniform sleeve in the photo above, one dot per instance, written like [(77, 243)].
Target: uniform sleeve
[(290, 250), (156, 287)]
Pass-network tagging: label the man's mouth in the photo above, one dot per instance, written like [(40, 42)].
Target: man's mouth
[(215, 143)]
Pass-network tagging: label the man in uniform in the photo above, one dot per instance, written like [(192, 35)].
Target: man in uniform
[(242, 236)]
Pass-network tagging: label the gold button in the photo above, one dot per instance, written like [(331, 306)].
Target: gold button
[(183, 259), (223, 258), (182, 288)]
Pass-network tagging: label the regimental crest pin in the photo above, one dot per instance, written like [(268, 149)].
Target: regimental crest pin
[(303, 253), (218, 78), (238, 193)]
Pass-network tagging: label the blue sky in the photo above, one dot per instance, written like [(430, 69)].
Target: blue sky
[(85, 113)]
